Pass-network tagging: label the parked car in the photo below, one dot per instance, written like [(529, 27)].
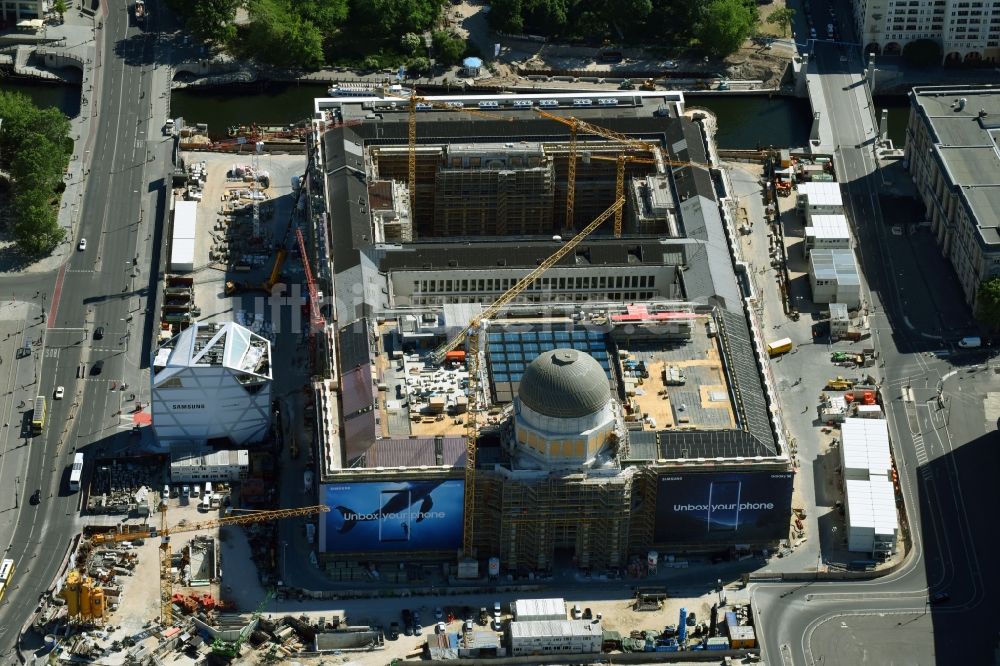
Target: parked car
[(99, 333), (393, 632), (588, 614), (60, 392), (496, 610), (438, 613), (409, 630), (36, 497), (97, 368)]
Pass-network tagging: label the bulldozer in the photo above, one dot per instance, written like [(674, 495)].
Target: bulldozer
[(839, 384), (648, 84)]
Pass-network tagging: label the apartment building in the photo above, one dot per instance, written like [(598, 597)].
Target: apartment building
[(968, 31), (954, 162), (13, 11)]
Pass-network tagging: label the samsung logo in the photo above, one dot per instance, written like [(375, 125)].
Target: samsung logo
[(671, 478), (187, 406)]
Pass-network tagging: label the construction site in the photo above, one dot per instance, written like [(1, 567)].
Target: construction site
[(544, 355)]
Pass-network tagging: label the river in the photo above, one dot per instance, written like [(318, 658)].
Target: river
[(744, 121), (64, 97)]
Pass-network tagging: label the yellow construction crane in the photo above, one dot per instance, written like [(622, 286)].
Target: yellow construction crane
[(411, 136), (576, 127), (471, 335), (166, 578), (622, 159)]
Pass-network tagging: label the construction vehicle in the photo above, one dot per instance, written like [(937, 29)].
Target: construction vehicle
[(471, 334), (648, 84), (779, 347), (233, 287), (839, 384), (227, 650), (166, 576), (626, 84)]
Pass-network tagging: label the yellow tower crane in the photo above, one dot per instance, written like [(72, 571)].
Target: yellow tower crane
[(471, 334), (166, 578), (576, 127), (411, 137)]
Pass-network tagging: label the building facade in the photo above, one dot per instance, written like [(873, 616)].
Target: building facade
[(834, 277), (954, 163), (968, 31), (12, 11), (555, 637), (212, 381), (191, 463)]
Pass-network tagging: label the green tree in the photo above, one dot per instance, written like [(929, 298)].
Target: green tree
[(507, 15), (59, 7), (782, 16), (725, 25), (35, 148), (39, 163), (411, 43), (923, 53), (988, 303), (448, 47), (213, 19), (372, 62), (284, 37), (418, 66)]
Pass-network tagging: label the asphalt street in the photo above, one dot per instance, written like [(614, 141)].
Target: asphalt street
[(106, 285), (945, 452)]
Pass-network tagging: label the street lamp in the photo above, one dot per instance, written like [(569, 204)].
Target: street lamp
[(284, 560)]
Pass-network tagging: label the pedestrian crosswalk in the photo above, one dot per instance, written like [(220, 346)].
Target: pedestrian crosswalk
[(918, 447)]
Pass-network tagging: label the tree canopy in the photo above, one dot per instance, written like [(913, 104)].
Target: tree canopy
[(783, 17), (34, 150), (725, 24), (718, 24), (988, 303)]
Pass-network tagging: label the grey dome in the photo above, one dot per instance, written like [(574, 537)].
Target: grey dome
[(564, 383)]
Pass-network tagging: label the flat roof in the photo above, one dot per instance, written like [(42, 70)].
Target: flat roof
[(965, 136), (821, 194), (836, 264), (539, 607), (184, 454), (828, 227), (564, 628), (871, 504), (865, 446)]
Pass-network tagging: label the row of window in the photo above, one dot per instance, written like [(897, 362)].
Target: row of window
[(543, 284), (600, 296)]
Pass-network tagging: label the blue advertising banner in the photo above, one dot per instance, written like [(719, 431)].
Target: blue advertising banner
[(722, 507), (392, 516)]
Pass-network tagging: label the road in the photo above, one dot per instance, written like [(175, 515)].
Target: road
[(96, 287), (944, 452)]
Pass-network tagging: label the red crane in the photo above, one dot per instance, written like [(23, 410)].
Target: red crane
[(315, 317)]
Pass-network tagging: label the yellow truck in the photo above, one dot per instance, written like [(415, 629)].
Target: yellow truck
[(839, 384), (779, 347)]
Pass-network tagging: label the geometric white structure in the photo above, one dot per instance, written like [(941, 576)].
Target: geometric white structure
[(212, 381)]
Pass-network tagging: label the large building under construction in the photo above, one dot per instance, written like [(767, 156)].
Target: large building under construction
[(621, 399)]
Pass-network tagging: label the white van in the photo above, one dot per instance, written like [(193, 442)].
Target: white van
[(208, 487), (971, 342), (196, 493), (206, 503)]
